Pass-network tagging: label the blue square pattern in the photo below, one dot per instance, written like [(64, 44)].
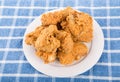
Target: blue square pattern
[(18, 32), (81, 80), (105, 44), (85, 10), (6, 21), (62, 79), (115, 45), (1, 54), (14, 55), (37, 12), (96, 80), (23, 12), (69, 3), (115, 22), (86, 3), (115, 33), (105, 33), (10, 68), (27, 69), (8, 79), (100, 12), (98, 70), (25, 3), (44, 79), (115, 71), (54, 3), (0, 3), (115, 12), (114, 2), (115, 57), (8, 12), (3, 43), (104, 58), (4, 32), (86, 73), (102, 22), (41, 3), (21, 22), (26, 79), (115, 80), (99, 3), (10, 2), (16, 43)]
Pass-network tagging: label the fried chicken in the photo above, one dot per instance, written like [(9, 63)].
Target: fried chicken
[(55, 17), (66, 58), (61, 36), (79, 50), (65, 41), (47, 57), (32, 36), (46, 41), (79, 25)]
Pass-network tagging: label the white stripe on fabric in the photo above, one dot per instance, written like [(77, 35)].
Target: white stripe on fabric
[(39, 7), (33, 17), (25, 61), (108, 33), (8, 43), (81, 76)]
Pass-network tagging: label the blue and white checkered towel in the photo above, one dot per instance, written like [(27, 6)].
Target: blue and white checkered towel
[(16, 15)]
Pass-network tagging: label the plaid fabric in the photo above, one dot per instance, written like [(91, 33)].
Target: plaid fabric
[(16, 15)]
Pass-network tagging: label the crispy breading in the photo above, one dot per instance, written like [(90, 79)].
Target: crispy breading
[(79, 50), (47, 41), (32, 36), (79, 24), (66, 58), (47, 57), (65, 41), (55, 17), (61, 36)]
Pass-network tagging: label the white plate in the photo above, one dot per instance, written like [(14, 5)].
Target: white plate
[(57, 70)]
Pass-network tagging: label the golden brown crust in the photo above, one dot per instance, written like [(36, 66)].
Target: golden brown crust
[(51, 18), (65, 41), (47, 57), (55, 17), (61, 36), (32, 36), (79, 25), (66, 58), (46, 40), (79, 50)]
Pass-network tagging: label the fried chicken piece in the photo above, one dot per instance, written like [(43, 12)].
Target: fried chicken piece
[(55, 17), (51, 18), (66, 42), (47, 41), (47, 57), (79, 25), (79, 50), (61, 35), (66, 58), (32, 36)]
